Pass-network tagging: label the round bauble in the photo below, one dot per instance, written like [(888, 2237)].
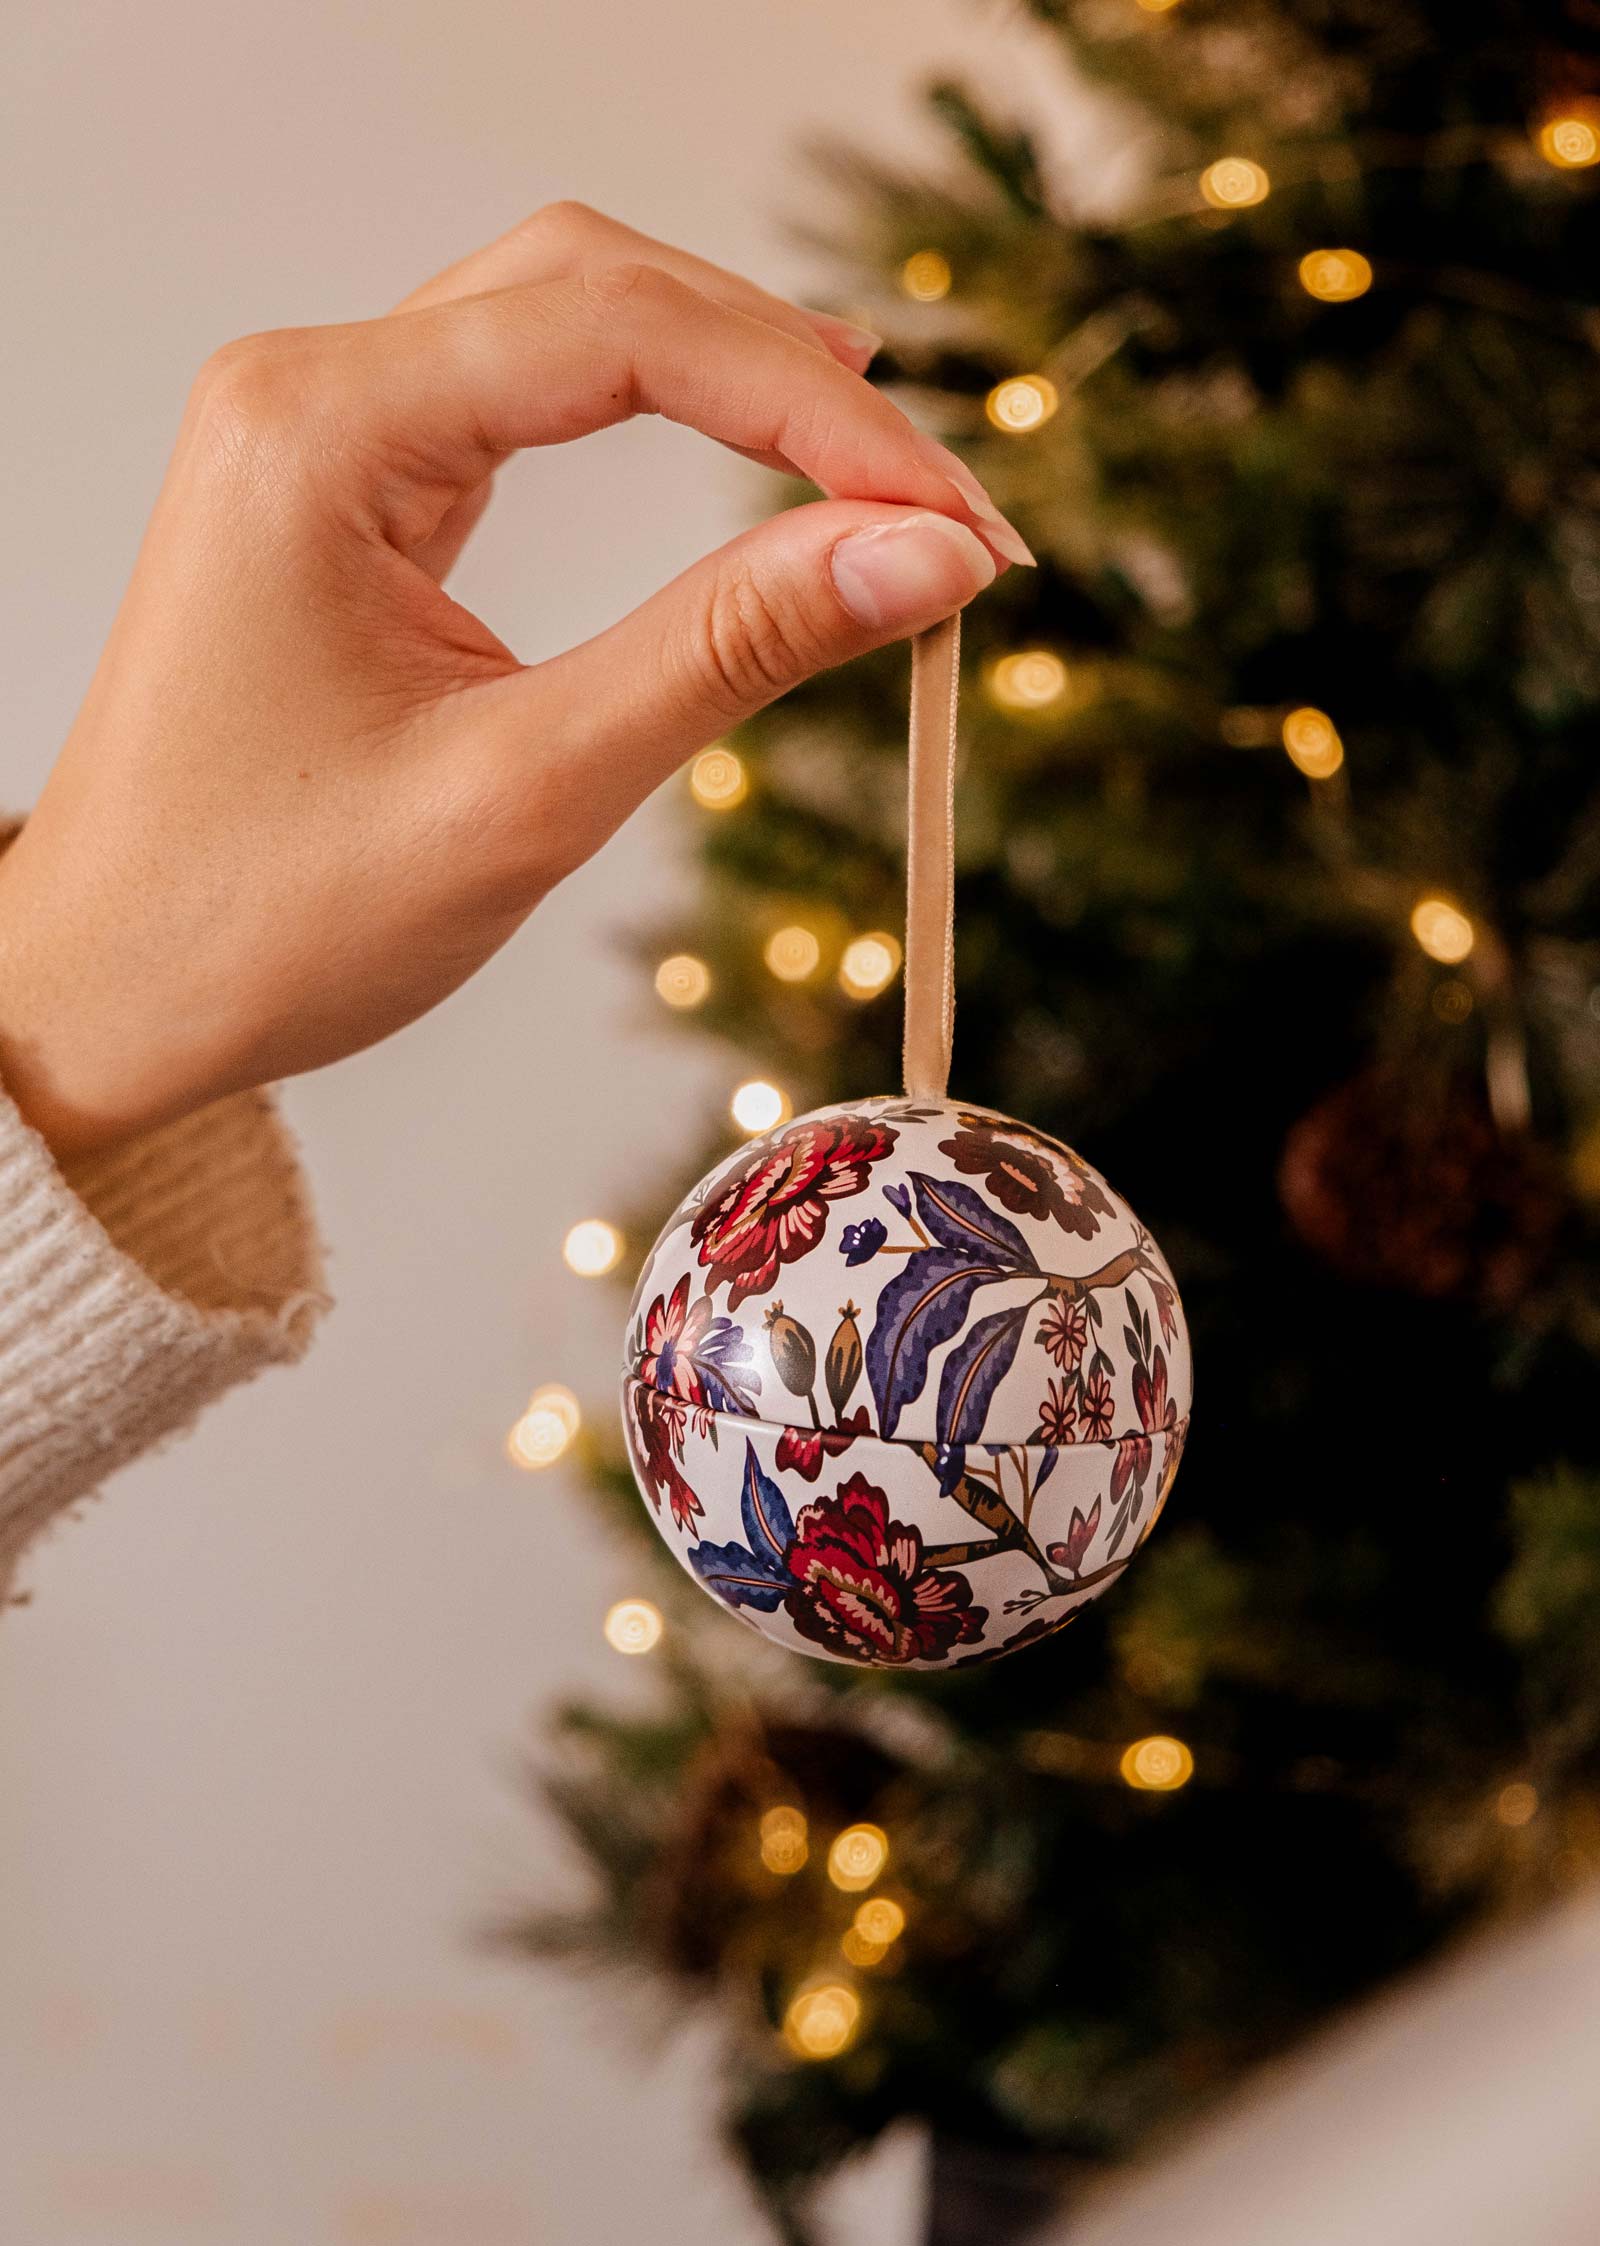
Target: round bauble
[(906, 1383)]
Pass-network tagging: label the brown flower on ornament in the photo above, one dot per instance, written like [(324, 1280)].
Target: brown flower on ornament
[(772, 1207), (861, 1587), (1028, 1182)]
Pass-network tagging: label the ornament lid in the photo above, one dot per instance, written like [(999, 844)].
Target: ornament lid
[(923, 1272)]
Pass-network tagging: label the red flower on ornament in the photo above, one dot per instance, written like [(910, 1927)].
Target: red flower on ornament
[(1064, 1330), (861, 1587), (1056, 1414), (1036, 1179), (772, 1207), (685, 1350), (654, 1425), (1098, 1407), (803, 1449)]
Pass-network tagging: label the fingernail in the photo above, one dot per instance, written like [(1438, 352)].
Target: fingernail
[(861, 343), (996, 529), (902, 575)]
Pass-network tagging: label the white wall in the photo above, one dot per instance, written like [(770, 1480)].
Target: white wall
[(256, 1729)]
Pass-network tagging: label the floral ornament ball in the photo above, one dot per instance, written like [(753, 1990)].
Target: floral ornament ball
[(906, 1384)]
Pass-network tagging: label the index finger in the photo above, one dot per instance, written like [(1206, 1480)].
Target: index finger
[(457, 385)]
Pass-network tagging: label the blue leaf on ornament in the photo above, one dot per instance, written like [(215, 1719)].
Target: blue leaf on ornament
[(960, 1219), (949, 1463), (738, 1576), (859, 1243), (767, 1520), (1046, 1468), (973, 1371), (922, 1306)]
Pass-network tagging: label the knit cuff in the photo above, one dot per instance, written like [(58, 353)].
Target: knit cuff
[(134, 1288)]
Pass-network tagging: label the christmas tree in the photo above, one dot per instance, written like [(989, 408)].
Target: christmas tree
[(1277, 897)]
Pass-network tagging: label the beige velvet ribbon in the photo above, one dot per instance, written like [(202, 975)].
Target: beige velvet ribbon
[(930, 978)]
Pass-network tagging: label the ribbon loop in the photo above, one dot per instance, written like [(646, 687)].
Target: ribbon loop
[(930, 975)]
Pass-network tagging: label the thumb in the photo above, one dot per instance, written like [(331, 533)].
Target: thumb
[(594, 730)]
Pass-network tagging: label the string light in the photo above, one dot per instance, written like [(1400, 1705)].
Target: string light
[(592, 1248), (870, 964), (822, 2020), (858, 1856), (545, 1429), (717, 780), (1024, 402), (792, 954), (880, 1919), (759, 1106), (1313, 744), (683, 980), (859, 1952), (1233, 183), (1443, 930), (634, 1626), (926, 276), (1033, 678), (1335, 276), (1517, 1803), (1157, 1765), (1571, 143), (785, 1842)]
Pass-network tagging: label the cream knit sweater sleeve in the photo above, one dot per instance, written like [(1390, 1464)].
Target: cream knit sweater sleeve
[(135, 1288)]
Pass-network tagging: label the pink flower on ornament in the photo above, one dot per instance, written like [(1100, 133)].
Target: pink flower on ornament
[(1071, 1553), (861, 1587), (686, 1350), (1064, 1330), (1056, 1414), (1098, 1408), (772, 1207), (654, 1426)]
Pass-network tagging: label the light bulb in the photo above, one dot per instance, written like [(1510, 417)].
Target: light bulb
[(1034, 678), (792, 954), (634, 1626), (1232, 183), (545, 1428), (592, 1248), (870, 964), (759, 1106), (1335, 276), (683, 980), (784, 1840), (1571, 143), (717, 780), (1157, 1765), (822, 2020), (1024, 402), (1442, 929), (926, 276), (880, 1919), (1313, 744), (858, 1856)]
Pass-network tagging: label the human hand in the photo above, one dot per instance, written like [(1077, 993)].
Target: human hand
[(308, 793)]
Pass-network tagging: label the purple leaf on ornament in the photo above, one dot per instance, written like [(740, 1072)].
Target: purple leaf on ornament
[(859, 1243), (738, 1577), (922, 1306), (1047, 1468), (767, 1520), (950, 1464), (974, 1369), (960, 1219)]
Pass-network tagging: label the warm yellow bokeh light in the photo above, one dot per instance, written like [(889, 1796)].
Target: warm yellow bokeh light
[(717, 780), (785, 1843), (1335, 276), (1517, 1803), (1157, 1765), (592, 1248), (1442, 929), (822, 2020), (1571, 143), (683, 980), (1232, 183), (545, 1428), (880, 1919), (759, 1106), (1313, 744), (1024, 402), (1157, 7), (634, 1626), (1034, 678), (858, 1856), (870, 964), (792, 954), (859, 1952), (926, 276)]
